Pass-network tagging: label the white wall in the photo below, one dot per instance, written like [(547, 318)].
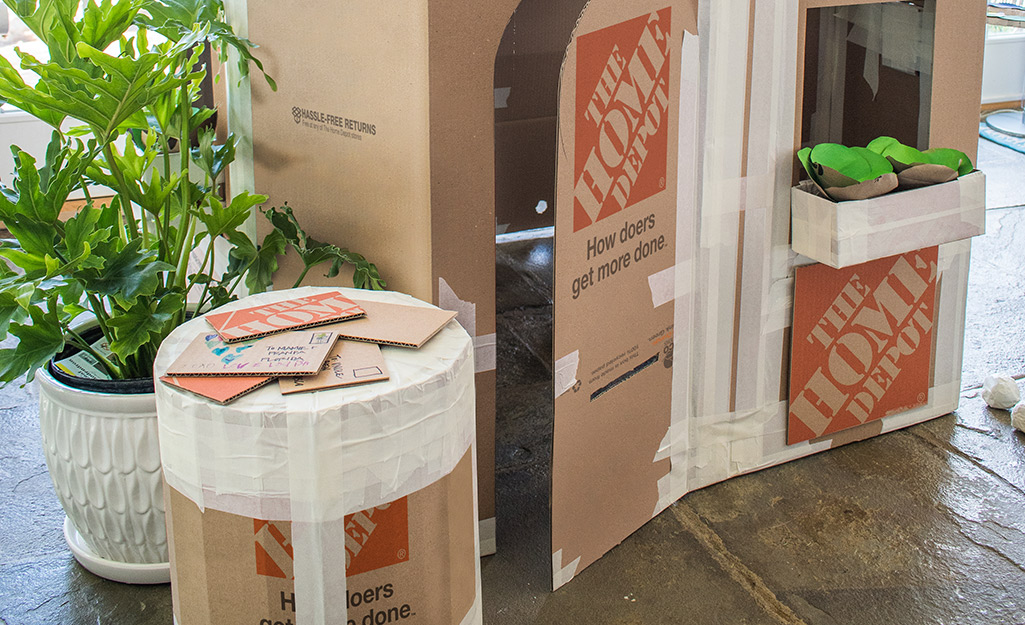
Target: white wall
[(1003, 68), (23, 130)]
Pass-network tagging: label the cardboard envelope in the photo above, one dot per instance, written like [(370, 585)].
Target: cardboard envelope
[(292, 314), (350, 363), (290, 353), (393, 324)]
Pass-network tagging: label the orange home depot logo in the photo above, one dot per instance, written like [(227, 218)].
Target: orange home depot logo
[(374, 538), (622, 104), (862, 342)]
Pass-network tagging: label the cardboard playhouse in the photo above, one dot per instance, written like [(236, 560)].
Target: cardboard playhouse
[(668, 130)]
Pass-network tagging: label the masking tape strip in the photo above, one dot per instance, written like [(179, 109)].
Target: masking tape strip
[(894, 33), (466, 311), (485, 352), (566, 372), (488, 538), (779, 315), (502, 97), (562, 574), (395, 437), (688, 207), (663, 286), (315, 473)]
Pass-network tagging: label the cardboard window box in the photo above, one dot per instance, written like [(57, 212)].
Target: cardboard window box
[(841, 234)]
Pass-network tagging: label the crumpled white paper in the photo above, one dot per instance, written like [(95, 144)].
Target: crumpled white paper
[(1018, 417), (1000, 391)]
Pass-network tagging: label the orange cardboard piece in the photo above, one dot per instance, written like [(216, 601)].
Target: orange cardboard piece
[(350, 363), (221, 389), (290, 353), (862, 342), (394, 324), (615, 227), (293, 314)]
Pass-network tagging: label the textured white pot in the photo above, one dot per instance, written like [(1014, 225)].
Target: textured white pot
[(104, 459)]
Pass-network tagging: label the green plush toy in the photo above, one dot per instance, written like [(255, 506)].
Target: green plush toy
[(854, 173), (845, 173), (916, 168)]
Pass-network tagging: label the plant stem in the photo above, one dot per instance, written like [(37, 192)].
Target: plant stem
[(299, 281), (126, 197)]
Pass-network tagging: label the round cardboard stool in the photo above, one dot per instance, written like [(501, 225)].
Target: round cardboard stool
[(350, 505)]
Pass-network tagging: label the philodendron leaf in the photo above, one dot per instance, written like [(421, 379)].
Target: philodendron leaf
[(136, 326), (261, 272), (38, 342), (222, 219), (131, 273)]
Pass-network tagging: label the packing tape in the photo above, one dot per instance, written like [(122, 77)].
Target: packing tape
[(485, 352), (466, 311), (502, 97), (780, 312), (562, 574), (566, 372), (663, 286), (898, 35)]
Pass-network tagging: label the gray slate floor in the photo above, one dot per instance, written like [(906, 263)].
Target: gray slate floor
[(924, 525)]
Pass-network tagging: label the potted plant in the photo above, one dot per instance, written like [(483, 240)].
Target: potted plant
[(120, 90)]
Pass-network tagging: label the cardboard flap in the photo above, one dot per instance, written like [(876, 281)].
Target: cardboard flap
[(221, 389), (394, 324), (615, 234)]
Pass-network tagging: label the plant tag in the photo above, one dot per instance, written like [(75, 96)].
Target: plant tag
[(292, 314), (84, 364)]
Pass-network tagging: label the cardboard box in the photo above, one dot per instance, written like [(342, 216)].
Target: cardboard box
[(229, 569), (381, 139), (842, 234), (674, 269)]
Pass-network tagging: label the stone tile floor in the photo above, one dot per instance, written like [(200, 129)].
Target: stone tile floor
[(924, 525)]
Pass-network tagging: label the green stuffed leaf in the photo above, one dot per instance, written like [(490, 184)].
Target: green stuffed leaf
[(900, 156), (845, 173), (841, 166), (949, 157)]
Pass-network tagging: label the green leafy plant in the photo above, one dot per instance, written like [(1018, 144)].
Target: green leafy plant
[(120, 90)]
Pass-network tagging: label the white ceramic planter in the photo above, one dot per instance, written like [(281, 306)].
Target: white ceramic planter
[(104, 459)]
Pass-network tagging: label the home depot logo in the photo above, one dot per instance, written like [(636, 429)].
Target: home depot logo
[(622, 105), (374, 538), (862, 342)]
